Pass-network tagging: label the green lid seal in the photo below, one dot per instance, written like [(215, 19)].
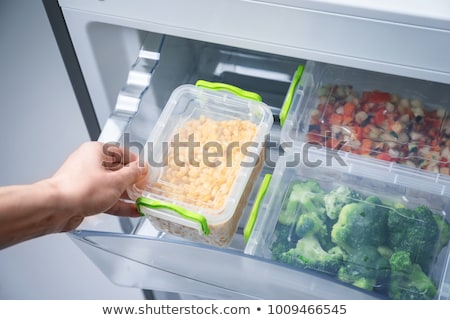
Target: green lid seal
[(255, 209), (228, 87), (290, 94), (185, 213)]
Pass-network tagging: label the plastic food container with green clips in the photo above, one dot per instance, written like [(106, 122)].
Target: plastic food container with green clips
[(204, 154), (356, 225), (397, 120)]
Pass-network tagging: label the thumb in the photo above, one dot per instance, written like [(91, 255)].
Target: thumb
[(130, 174)]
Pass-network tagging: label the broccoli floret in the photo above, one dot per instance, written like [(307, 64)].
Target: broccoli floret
[(365, 268), (302, 215), (407, 280), (284, 239), (400, 261), (311, 223), (416, 232), (309, 195), (308, 186), (289, 215), (361, 224), (444, 231), (304, 196), (338, 254), (337, 198), (365, 283), (305, 208), (309, 254)]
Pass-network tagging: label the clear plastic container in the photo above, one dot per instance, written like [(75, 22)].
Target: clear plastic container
[(352, 225), (390, 118), (204, 154)]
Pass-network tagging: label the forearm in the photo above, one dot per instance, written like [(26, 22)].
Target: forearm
[(90, 181), (30, 211)]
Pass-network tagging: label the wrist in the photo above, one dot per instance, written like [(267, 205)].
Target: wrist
[(30, 211), (63, 213)]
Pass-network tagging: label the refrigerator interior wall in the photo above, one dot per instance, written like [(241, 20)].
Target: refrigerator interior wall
[(409, 38), (107, 35)]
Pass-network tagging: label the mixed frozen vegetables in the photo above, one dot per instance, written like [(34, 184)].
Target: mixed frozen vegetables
[(361, 240), (382, 125)]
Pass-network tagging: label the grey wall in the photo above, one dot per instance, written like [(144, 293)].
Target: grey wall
[(40, 124)]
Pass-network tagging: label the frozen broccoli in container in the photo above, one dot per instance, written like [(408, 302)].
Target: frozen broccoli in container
[(444, 231), (360, 225), (309, 254), (407, 279), (304, 211), (284, 239), (338, 198), (414, 231), (365, 268), (378, 246)]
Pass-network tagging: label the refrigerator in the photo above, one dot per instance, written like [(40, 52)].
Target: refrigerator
[(124, 60)]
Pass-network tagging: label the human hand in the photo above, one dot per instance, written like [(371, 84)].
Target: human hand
[(94, 178)]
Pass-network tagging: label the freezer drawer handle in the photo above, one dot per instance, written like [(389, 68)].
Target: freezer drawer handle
[(185, 213), (290, 94), (228, 87), (255, 209)]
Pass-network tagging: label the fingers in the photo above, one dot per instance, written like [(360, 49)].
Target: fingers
[(130, 174), (114, 155), (124, 209)]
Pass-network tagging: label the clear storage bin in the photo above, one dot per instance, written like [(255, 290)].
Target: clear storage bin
[(350, 224), (369, 114), (205, 153)]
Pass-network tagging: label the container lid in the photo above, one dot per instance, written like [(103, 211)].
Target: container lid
[(201, 153), (387, 117)]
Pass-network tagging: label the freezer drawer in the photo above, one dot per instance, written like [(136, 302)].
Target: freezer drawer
[(131, 252), (171, 265)]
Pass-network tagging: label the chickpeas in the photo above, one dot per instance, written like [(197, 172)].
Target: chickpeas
[(203, 174)]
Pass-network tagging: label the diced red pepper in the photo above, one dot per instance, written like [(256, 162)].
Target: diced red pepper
[(432, 114), (335, 119), (349, 108), (383, 156), (433, 122), (380, 117), (366, 146), (359, 132), (376, 96)]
